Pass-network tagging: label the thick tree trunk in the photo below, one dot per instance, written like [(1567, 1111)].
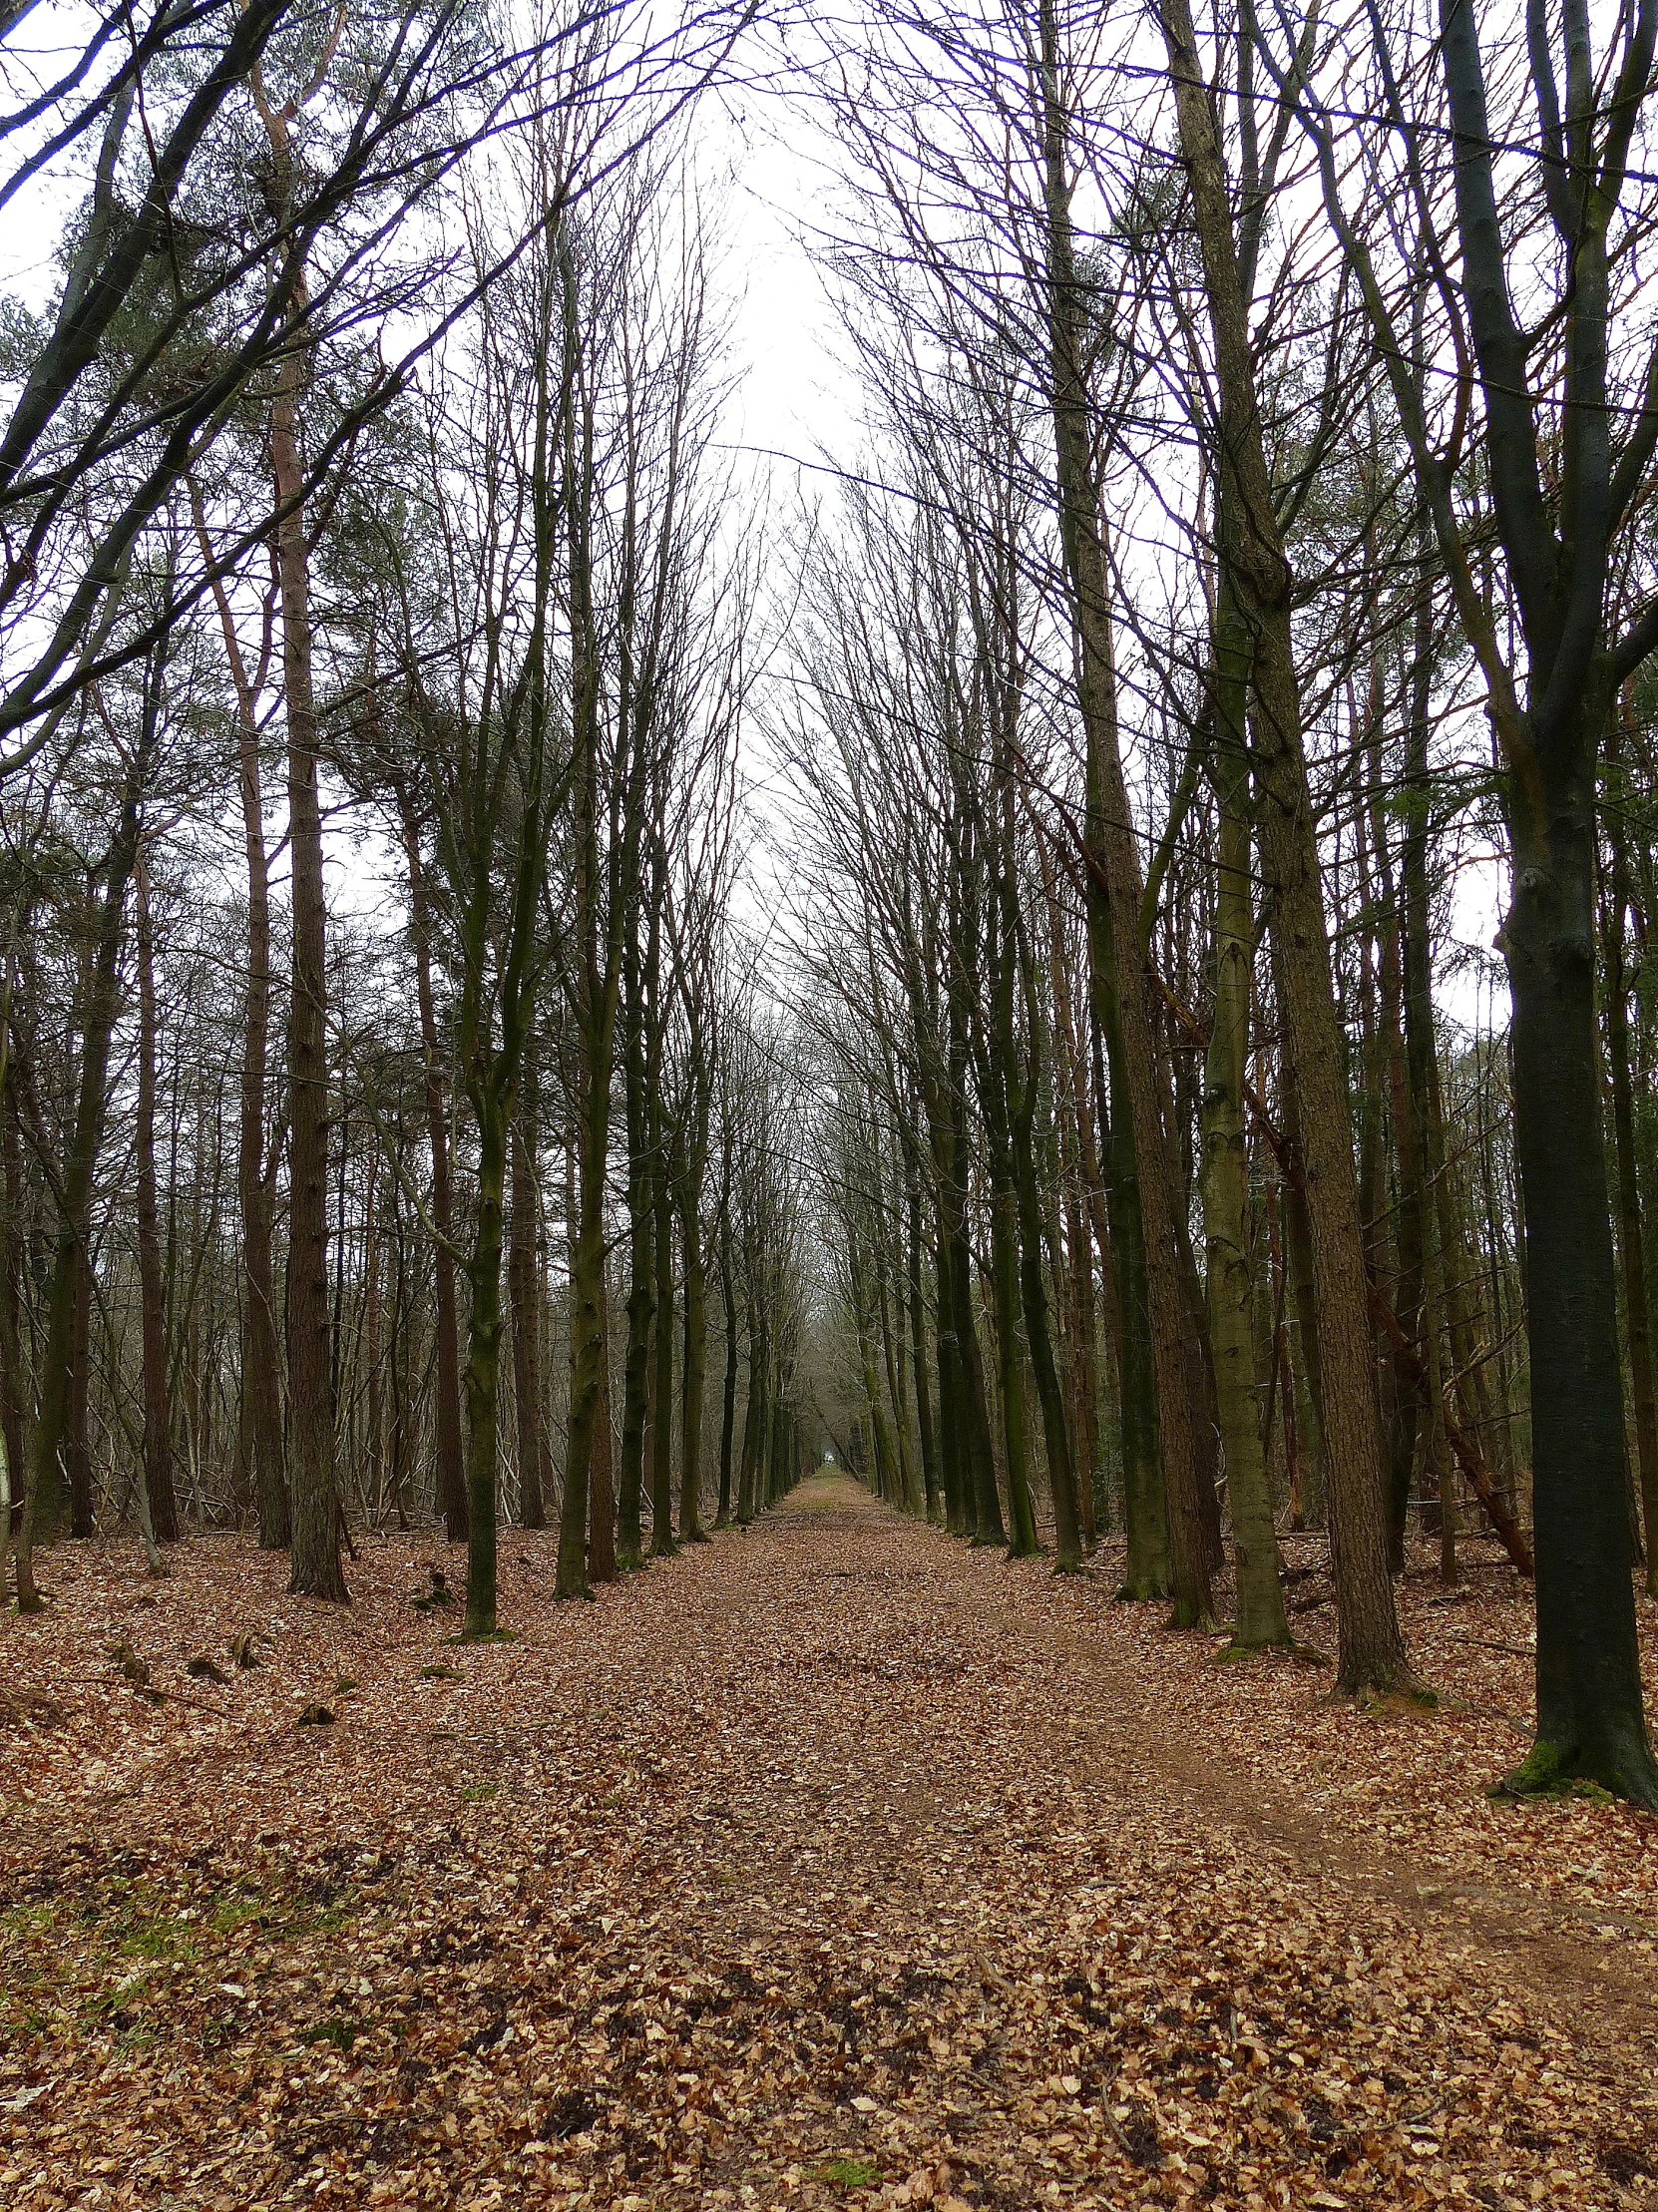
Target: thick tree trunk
[(1590, 1720)]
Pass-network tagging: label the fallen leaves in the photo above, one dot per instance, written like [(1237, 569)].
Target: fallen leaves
[(836, 1864)]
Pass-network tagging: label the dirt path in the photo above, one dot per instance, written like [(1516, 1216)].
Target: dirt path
[(827, 1862)]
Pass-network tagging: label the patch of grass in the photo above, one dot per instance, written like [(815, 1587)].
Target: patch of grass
[(29, 1920), (341, 2034), (238, 1910), (477, 1793), (848, 2173), (156, 1937), (276, 1918)]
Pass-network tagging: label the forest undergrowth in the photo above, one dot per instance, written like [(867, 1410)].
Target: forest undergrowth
[(827, 1862)]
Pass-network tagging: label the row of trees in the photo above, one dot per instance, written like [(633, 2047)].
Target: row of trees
[(1254, 537), (487, 605)]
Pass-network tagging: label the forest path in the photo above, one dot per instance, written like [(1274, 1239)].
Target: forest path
[(829, 1862)]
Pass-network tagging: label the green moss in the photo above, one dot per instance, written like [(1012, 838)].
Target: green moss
[(848, 2173), (1546, 1772)]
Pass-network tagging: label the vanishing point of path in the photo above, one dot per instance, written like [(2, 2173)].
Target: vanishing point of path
[(829, 1863)]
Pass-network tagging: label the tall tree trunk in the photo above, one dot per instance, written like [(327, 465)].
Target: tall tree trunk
[(1589, 1711), (663, 1545), (449, 1478), (918, 1335), (1166, 1544), (260, 1416), (373, 1321), (13, 1422), (524, 1301), (642, 1280), (601, 1517), (694, 1358), (483, 1364), (157, 1407), (42, 1504), (1371, 1651), (315, 1557), (1632, 1242), (1261, 1616), (728, 1396), (77, 1446), (953, 1444), (754, 1411)]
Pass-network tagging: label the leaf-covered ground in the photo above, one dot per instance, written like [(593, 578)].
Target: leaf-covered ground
[(831, 1863)]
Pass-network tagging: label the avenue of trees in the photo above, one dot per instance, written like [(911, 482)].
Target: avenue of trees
[(1243, 577)]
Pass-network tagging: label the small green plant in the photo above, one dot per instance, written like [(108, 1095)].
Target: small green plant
[(340, 2033), (849, 2173), (477, 1793), (441, 1674)]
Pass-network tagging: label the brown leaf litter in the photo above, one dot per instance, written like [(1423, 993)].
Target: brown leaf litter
[(831, 1863)]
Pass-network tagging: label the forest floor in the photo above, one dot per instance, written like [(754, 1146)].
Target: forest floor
[(830, 1863)]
